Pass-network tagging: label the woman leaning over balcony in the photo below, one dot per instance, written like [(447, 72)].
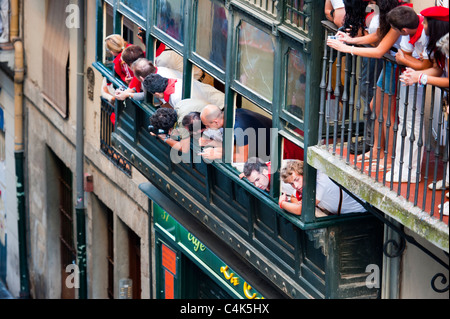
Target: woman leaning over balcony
[(405, 24), (382, 40)]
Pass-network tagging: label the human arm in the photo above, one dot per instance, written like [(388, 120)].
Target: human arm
[(208, 142), (240, 154), (122, 95), (182, 145), (406, 59), (334, 15), (212, 153), (370, 38), (410, 76), (376, 52), (106, 93), (291, 205)]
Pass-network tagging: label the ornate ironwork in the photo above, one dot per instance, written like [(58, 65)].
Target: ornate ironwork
[(404, 238), (444, 281), (397, 248)]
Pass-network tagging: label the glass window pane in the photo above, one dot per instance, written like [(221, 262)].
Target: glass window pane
[(295, 14), (212, 26), (138, 6), (108, 57), (256, 60), (296, 84), (170, 18)]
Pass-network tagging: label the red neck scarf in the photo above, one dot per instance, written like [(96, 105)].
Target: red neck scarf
[(169, 89), (413, 39), (160, 49)]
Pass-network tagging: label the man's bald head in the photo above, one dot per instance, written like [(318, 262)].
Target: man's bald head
[(212, 116)]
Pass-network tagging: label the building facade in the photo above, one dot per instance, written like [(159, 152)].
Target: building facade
[(107, 213)]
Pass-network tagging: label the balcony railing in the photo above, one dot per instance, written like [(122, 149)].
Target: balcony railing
[(400, 133), (107, 123)]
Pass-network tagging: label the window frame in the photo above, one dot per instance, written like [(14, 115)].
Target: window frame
[(196, 58), (253, 96)]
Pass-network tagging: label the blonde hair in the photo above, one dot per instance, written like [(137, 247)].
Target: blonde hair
[(291, 167), (115, 43)]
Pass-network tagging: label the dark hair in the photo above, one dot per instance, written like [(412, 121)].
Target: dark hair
[(385, 7), (164, 119), (143, 68), (403, 17), (254, 164), (132, 53), (355, 16), (155, 83), (190, 119), (436, 30)]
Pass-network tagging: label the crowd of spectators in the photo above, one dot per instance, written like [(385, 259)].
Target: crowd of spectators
[(417, 41)]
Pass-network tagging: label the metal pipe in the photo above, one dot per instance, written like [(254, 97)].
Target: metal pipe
[(19, 75), (80, 206)]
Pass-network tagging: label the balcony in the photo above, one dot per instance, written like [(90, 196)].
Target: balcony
[(298, 257), (349, 127)]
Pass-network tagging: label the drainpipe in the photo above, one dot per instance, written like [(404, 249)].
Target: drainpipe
[(19, 74), (80, 205)]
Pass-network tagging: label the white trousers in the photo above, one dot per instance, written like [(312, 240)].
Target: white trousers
[(408, 123)]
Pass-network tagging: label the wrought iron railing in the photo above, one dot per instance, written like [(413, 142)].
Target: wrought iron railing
[(382, 135), (107, 123)]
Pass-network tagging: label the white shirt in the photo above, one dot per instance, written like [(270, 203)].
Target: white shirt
[(419, 49), (337, 4), (328, 194), (374, 24)]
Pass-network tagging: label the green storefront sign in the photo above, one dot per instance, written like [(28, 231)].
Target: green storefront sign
[(188, 244)]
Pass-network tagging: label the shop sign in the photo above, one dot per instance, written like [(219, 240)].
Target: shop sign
[(199, 251)]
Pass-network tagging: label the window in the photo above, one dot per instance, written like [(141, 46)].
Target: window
[(256, 126), (255, 60), (68, 252), (295, 15), (170, 18), (134, 243), (138, 6), (56, 57), (269, 6), (109, 29), (295, 84), (212, 31)]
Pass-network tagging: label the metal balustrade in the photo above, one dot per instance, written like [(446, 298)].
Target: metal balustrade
[(107, 123), (390, 133)]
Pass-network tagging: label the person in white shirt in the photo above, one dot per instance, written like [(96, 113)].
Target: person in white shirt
[(335, 11), (329, 196), (417, 52)]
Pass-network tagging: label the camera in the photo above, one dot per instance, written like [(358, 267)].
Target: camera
[(141, 33), (156, 131), (332, 37)]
